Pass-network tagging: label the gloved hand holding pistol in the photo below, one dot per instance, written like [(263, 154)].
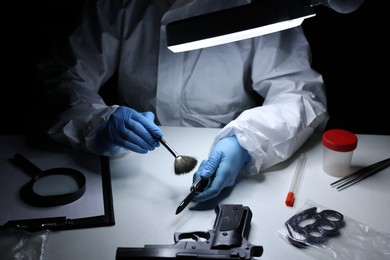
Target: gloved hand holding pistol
[(222, 168), (129, 129)]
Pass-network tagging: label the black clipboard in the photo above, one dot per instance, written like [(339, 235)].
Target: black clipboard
[(99, 187)]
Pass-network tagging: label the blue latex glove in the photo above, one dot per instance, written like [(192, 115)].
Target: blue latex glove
[(129, 129), (222, 168)]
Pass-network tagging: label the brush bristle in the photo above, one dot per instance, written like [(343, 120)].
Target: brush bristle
[(184, 164)]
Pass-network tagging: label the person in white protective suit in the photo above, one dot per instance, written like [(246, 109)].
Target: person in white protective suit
[(261, 92)]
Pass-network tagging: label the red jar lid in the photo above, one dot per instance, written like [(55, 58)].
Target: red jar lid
[(339, 140)]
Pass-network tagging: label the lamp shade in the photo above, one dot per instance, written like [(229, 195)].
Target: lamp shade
[(238, 23)]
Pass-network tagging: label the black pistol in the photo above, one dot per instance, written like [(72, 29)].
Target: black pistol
[(227, 240)]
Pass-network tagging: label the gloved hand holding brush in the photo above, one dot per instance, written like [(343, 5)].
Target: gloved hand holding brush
[(223, 166), (129, 129), (137, 132)]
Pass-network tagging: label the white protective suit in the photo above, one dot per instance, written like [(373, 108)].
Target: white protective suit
[(221, 86)]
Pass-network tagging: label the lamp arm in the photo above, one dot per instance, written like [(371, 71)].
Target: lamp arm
[(340, 6)]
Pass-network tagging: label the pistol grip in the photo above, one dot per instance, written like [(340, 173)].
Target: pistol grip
[(231, 225)]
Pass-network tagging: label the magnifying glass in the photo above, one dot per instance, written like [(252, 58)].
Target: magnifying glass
[(52, 187)]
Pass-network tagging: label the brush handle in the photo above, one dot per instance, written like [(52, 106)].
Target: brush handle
[(170, 149)]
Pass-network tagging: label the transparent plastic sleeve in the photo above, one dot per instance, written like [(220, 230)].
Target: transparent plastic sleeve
[(326, 233), (21, 244)]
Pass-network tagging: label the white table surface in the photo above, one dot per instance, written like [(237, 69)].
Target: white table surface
[(146, 194)]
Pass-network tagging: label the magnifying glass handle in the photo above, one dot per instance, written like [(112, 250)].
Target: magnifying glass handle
[(27, 166)]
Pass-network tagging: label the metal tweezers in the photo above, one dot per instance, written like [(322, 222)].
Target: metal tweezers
[(360, 174)]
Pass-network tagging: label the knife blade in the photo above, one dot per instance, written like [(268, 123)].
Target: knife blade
[(199, 186)]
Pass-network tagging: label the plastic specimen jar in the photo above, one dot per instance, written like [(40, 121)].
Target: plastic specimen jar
[(338, 150)]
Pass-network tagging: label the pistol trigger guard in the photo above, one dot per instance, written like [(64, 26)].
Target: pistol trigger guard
[(195, 235)]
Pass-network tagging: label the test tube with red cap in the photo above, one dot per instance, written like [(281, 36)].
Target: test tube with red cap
[(295, 181)]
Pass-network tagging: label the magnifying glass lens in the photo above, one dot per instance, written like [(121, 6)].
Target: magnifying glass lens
[(52, 187), (55, 184)]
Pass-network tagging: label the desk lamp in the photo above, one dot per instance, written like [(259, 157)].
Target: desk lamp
[(257, 18)]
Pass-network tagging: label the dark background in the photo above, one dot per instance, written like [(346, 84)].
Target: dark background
[(349, 50)]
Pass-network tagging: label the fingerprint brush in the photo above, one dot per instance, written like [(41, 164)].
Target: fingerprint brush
[(183, 163)]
